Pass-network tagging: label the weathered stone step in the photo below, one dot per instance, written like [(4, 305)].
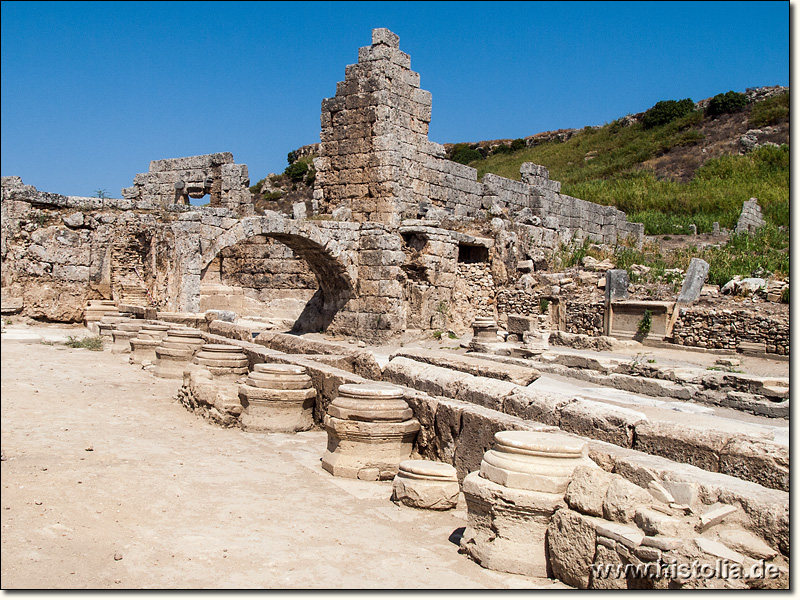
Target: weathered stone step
[(472, 365), (739, 449)]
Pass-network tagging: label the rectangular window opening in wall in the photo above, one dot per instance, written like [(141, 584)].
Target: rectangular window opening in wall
[(472, 254)]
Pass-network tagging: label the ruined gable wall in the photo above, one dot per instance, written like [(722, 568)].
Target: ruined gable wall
[(376, 160)]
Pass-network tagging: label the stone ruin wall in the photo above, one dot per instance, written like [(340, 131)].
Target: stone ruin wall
[(176, 180), (58, 251), (731, 330), (260, 277), (377, 170), (377, 163)]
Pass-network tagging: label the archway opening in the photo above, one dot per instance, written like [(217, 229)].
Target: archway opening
[(284, 282)]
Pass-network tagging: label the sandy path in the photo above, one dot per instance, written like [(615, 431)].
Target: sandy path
[(166, 500)]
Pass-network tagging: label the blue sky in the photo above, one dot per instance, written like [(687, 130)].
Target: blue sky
[(93, 91)]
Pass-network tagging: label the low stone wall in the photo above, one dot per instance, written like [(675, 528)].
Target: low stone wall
[(517, 302), (731, 330), (696, 327), (363, 363), (767, 396), (585, 318)]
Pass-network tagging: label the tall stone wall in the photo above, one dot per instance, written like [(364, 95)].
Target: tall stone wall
[(60, 251), (417, 242), (376, 160)]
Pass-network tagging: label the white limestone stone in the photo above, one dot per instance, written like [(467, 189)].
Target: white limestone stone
[(277, 398), (536, 461), (426, 484), (371, 430)]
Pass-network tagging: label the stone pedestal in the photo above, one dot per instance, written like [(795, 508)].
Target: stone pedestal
[(222, 360), (521, 482), (426, 484), (121, 341), (371, 430), (538, 340), (123, 333), (279, 398), (484, 329), (143, 346), (484, 334), (96, 310), (176, 351), (107, 323)]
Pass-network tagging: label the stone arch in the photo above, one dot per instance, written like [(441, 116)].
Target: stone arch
[(324, 250)]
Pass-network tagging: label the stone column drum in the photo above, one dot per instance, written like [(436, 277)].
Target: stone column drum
[(521, 482), (426, 484), (107, 323), (122, 334), (222, 360), (277, 398), (371, 430), (176, 351), (143, 346)]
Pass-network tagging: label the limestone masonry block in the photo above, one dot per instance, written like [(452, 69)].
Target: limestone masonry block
[(426, 484)]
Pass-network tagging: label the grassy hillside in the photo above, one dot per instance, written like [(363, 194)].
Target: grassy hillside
[(609, 165)]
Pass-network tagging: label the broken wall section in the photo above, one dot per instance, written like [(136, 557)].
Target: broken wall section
[(377, 162), (58, 251), (176, 180)]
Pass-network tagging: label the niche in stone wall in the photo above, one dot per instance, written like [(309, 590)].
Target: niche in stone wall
[(259, 277), (471, 254)]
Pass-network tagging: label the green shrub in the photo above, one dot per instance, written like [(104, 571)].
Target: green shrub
[(666, 111), (501, 149), (726, 103), (89, 343), (544, 305), (256, 187), (311, 177), (272, 196), (572, 254), (463, 154), (643, 328), (296, 171), (767, 249), (785, 295), (291, 157), (770, 111), (518, 144)]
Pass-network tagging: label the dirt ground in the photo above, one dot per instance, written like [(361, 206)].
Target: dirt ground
[(109, 483)]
